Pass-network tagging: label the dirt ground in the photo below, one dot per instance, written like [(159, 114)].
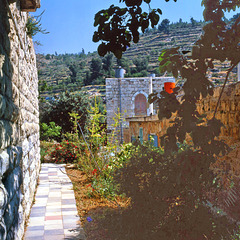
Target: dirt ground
[(91, 207)]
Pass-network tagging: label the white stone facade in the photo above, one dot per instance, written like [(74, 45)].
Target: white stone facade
[(121, 93), (19, 121)]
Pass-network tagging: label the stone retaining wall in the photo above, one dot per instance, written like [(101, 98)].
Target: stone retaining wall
[(19, 121), (228, 112)]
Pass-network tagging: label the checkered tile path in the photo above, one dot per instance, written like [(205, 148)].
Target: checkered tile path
[(54, 213)]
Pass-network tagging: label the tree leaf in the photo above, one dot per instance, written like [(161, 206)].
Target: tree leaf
[(161, 57), (118, 53), (159, 11), (96, 19), (102, 49), (95, 37)]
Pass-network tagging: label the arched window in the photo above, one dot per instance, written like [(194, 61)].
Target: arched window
[(140, 104)]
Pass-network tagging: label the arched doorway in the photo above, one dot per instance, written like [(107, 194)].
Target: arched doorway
[(140, 104)]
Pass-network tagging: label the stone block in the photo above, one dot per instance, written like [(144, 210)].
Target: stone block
[(32, 157), (2, 105), (10, 234), (13, 181), (11, 111), (25, 147), (32, 141), (2, 85), (26, 180), (237, 89), (16, 95), (231, 119), (5, 134), (3, 199), (15, 134), (19, 232), (213, 104), (4, 163), (11, 215), (227, 106), (233, 106), (15, 154), (8, 87), (216, 92), (25, 163)]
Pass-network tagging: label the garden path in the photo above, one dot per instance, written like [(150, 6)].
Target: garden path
[(54, 213)]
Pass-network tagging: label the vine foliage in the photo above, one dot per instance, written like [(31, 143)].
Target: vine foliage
[(181, 178), (117, 26)]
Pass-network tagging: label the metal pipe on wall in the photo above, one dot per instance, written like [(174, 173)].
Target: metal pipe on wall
[(238, 71), (120, 109), (150, 91)]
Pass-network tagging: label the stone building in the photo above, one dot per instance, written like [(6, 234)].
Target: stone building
[(129, 96), (19, 118)]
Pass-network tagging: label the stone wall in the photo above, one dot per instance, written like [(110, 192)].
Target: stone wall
[(121, 93), (228, 112), (19, 121)]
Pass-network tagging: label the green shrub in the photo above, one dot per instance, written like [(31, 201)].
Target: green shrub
[(167, 196), (103, 181), (98, 157), (58, 111), (50, 132)]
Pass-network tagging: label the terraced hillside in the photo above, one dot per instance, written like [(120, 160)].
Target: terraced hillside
[(56, 74), (152, 44)]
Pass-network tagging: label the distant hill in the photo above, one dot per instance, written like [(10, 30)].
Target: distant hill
[(60, 72), (151, 44), (54, 73)]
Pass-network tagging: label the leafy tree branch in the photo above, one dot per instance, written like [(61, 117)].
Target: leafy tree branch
[(117, 27)]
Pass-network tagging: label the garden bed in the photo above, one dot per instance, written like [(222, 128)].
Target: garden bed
[(92, 209), (95, 211)]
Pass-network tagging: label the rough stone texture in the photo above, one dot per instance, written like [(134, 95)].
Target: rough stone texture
[(19, 122), (228, 112), (121, 93)]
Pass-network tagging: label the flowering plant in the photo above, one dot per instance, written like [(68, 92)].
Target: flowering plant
[(65, 152)]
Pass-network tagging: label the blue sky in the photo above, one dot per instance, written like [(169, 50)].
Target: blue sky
[(70, 22)]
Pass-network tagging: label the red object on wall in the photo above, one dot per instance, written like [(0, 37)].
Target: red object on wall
[(169, 86)]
